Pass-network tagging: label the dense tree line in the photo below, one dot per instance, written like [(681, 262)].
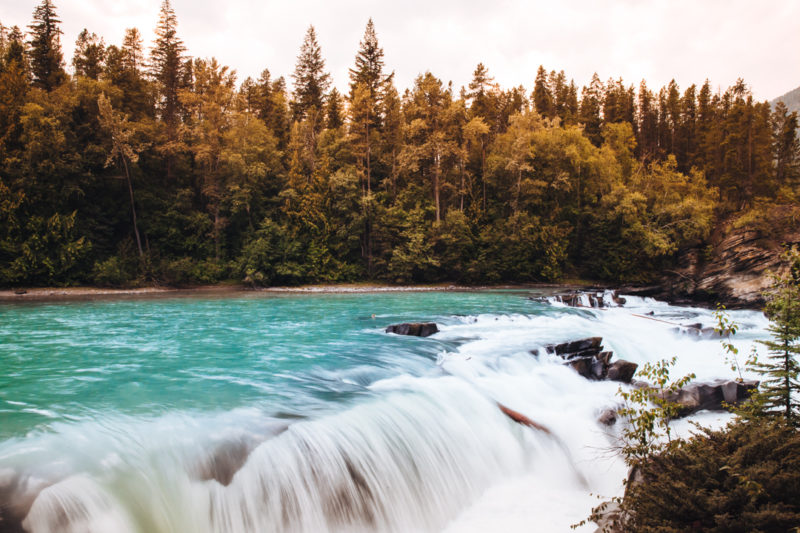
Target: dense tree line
[(159, 167)]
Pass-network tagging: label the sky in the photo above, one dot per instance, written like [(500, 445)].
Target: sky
[(654, 40)]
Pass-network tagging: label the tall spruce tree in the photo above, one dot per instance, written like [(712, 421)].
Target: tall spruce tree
[(167, 68), (542, 95), (46, 58), (311, 82), (785, 146), (591, 102), (779, 389)]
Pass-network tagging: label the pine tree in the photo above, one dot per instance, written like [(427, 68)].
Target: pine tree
[(542, 96), (46, 58), (785, 145), (132, 50), (778, 393), (167, 67), (14, 84), (311, 82), (647, 140), (334, 109), (89, 55), (591, 100), (369, 64)]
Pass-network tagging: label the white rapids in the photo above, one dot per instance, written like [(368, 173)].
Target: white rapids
[(421, 453)]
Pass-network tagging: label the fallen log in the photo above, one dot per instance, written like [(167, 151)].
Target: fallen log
[(519, 418)]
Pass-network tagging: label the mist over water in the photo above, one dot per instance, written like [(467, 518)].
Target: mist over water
[(298, 413)]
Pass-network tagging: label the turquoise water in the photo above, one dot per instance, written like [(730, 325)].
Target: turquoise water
[(292, 355), (249, 412)]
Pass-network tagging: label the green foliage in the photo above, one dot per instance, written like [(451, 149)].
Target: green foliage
[(272, 257), (49, 253), (419, 185), (113, 272), (727, 328), (780, 385), (648, 412), (743, 478)]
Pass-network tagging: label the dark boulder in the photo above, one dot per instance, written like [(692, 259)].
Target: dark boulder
[(621, 370), (415, 329), (580, 348), (587, 358)]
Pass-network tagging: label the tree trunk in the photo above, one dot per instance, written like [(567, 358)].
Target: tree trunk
[(483, 173), (133, 208), (436, 172)]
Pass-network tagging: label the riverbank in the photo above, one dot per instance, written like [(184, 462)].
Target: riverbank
[(82, 293)]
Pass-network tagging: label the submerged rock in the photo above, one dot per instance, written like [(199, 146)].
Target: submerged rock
[(701, 332), (415, 329)]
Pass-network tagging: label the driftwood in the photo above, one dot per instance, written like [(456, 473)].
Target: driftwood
[(519, 418)]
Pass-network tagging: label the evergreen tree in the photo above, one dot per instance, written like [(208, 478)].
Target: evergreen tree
[(46, 58), (778, 392), (591, 101), (167, 68), (368, 67), (785, 146), (14, 81), (311, 82), (132, 50), (89, 55), (542, 95), (647, 141), (334, 110)]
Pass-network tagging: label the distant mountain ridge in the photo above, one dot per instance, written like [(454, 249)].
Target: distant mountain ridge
[(790, 99)]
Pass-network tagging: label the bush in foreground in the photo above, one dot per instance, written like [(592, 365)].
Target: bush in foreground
[(745, 478)]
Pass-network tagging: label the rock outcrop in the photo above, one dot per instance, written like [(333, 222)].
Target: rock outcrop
[(716, 395), (585, 298), (734, 270), (587, 358), (415, 329), (710, 396)]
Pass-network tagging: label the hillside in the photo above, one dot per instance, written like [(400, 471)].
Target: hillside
[(791, 99)]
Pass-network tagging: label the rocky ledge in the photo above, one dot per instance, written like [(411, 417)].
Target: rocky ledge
[(734, 270), (587, 358)]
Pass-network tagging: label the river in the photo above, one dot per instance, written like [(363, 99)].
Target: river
[(297, 412)]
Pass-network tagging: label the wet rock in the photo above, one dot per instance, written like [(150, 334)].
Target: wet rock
[(20, 292), (415, 329), (715, 395), (587, 358), (621, 370), (229, 457), (580, 348), (608, 417), (700, 332), (585, 298), (17, 494)]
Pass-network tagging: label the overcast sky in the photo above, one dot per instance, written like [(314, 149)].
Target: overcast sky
[(657, 40)]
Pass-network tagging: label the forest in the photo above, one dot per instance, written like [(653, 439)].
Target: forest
[(146, 165)]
